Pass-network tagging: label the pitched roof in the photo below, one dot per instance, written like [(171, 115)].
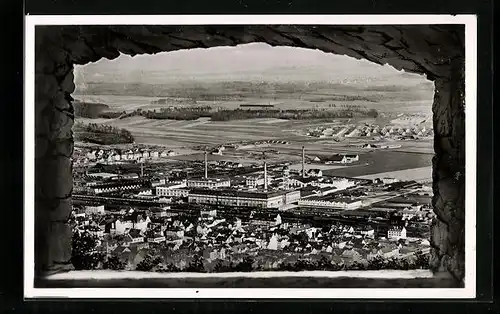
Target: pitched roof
[(135, 233), (335, 158)]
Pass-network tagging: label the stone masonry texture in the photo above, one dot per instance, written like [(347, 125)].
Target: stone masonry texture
[(434, 50)]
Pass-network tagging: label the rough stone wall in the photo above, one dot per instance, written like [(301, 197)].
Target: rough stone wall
[(437, 51), (448, 229), (53, 150), (423, 49)]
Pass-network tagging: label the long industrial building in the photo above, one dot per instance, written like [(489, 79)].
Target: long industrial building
[(264, 199), (331, 202), (208, 183)]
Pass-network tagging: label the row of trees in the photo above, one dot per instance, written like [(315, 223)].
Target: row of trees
[(193, 113), (88, 110), (85, 256), (248, 264), (102, 134), (291, 114)]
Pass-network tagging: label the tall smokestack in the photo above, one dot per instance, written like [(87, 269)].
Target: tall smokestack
[(142, 169), (265, 176), (206, 166), (303, 162)]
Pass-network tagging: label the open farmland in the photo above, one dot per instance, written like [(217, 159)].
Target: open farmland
[(404, 101), (204, 131), (417, 174), (179, 134), (130, 103)]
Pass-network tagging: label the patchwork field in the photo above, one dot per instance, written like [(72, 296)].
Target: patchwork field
[(184, 135), (204, 131)]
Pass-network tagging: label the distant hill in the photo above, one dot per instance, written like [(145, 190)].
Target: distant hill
[(256, 71), (251, 62)]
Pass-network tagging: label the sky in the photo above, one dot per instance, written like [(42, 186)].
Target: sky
[(256, 61)]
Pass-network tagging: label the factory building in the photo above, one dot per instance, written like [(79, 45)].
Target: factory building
[(269, 199), (172, 192), (255, 181), (330, 202), (208, 183), (109, 188)]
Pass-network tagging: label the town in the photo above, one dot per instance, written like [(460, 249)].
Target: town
[(143, 209)]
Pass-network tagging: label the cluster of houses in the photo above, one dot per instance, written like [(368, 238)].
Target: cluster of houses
[(116, 155), (369, 131), (227, 164), (248, 145), (130, 234), (334, 159)]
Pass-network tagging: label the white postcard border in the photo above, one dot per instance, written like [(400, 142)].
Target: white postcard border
[(468, 291)]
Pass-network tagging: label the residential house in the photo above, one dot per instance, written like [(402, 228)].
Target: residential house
[(159, 212), (158, 182), (368, 231), (120, 226), (338, 159), (156, 238), (396, 232), (298, 181), (216, 151), (93, 210), (314, 173), (145, 192), (273, 243), (134, 236), (343, 159), (91, 155), (175, 232), (96, 231), (142, 223)]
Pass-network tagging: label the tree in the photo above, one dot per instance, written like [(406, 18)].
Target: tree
[(170, 268), (287, 266), (303, 264), (421, 260), (196, 265), (376, 263), (393, 263), (356, 265), (246, 265), (221, 267), (404, 264), (337, 267), (113, 263), (148, 263), (83, 254), (324, 263)]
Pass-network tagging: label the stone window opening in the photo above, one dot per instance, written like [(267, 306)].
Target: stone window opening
[(438, 51)]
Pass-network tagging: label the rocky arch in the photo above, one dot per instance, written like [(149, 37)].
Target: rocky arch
[(436, 51)]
